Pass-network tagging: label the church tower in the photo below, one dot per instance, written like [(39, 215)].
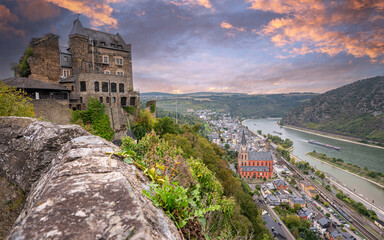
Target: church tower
[(243, 153)]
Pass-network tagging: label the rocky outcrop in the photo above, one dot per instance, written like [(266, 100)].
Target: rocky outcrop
[(75, 190)]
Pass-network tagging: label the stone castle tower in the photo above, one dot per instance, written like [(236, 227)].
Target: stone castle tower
[(95, 64)]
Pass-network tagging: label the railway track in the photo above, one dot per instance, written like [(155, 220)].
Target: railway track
[(332, 199)]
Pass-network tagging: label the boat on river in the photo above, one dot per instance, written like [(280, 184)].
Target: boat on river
[(324, 145), (278, 132)]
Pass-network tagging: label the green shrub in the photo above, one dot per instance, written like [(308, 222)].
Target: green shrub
[(153, 107), (96, 116), (14, 102), (130, 109), (23, 69)]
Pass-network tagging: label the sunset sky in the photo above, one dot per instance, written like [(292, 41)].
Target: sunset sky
[(249, 46)]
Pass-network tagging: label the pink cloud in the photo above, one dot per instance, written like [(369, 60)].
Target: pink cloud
[(311, 26)]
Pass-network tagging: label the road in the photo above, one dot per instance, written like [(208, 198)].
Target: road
[(272, 213), (287, 233)]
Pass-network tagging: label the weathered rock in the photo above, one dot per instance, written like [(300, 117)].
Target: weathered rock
[(80, 193)]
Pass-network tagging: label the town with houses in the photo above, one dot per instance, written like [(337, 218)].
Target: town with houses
[(277, 189)]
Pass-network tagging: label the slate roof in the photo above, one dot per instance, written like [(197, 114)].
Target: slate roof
[(78, 29), (343, 235), (259, 156), (279, 182), (70, 79), (297, 200), (323, 222), (303, 213), (29, 83), (103, 39), (254, 168), (243, 140), (65, 53)]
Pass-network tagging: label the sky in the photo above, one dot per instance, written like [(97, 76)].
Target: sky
[(244, 46)]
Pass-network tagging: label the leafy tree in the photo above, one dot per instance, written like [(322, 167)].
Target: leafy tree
[(23, 69), (14, 102), (227, 146), (96, 116), (153, 107), (165, 125)]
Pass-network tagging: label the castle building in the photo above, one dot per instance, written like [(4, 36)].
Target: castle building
[(253, 164), (94, 64)]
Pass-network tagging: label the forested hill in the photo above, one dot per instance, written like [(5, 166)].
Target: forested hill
[(356, 109), (241, 105)]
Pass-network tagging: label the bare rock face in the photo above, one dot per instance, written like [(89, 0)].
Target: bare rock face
[(80, 193)]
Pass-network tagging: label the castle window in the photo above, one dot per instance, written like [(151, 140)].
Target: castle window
[(123, 101), (107, 99), (73, 88), (120, 73), (113, 100), (105, 59), (120, 46), (119, 60), (97, 86), (66, 73), (104, 87), (132, 101), (83, 86), (113, 87), (107, 72), (101, 99), (81, 100), (113, 45), (102, 43), (65, 58), (121, 87)]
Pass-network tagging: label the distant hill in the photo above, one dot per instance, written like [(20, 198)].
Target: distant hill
[(196, 94), (356, 109), (238, 104)]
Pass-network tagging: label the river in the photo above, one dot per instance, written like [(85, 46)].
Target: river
[(373, 158)]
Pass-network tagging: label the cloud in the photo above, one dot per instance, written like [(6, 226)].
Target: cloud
[(311, 26), (7, 20), (229, 26), (203, 3), (99, 11)]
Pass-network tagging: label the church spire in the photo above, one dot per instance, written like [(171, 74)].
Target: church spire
[(78, 28), (243, 140)]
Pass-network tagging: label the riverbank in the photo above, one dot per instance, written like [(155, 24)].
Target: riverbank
[(331, 136), (369, 180)]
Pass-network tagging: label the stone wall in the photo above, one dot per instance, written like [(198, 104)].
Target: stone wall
[(79, 50), (75, 190), (115, 111), (45, 61), (52, 110)]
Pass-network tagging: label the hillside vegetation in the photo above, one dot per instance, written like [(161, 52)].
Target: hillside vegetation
[(241, 105), (356, 110), (192, 181)]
